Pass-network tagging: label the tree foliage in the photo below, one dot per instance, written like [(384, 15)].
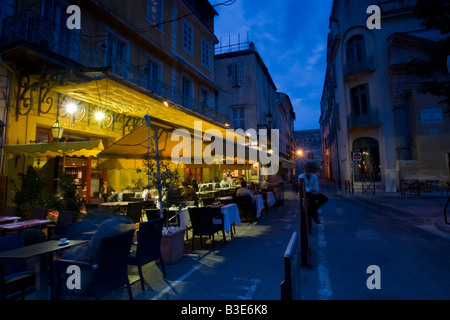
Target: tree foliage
[(434, 14), (31, 193)]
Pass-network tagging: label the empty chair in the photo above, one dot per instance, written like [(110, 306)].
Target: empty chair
[(153, 214), (228, 200), (247, 207), (134, 211), (208, 201), (39, 213), (148, 246), (14, 276), (107, 273), (206, 221), (127, 196), (65, 219), (172, 218)]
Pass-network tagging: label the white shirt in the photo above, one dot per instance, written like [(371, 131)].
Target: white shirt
[(311, 184), (244, 192)]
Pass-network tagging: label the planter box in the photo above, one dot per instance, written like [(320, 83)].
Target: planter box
[(172, 246)]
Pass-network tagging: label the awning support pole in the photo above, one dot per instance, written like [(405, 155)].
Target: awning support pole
[(158, 172)]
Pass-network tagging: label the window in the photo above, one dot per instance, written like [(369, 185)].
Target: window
[(192, 173), (63, 41), (43, 135), (155, 12), (205, 53), (117, 54), (6, 10), (154, 74), (238, 117), (205, 98), (236, 75), (188, 36), (187, 91), (360, 100), (355, 50)]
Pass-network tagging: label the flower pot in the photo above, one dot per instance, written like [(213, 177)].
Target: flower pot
[(172, 245)]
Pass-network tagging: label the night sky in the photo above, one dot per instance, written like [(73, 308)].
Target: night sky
[(291, 37)]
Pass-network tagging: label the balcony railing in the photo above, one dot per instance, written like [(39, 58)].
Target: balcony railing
[(32, 28), (370, 119), (355, 67)]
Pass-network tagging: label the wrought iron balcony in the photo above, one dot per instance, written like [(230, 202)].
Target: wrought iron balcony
[(370, 119), (32, 30), (366, 65)]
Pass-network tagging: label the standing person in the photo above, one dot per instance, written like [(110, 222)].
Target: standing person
[(107, 193), (194, 184), (314, 197)]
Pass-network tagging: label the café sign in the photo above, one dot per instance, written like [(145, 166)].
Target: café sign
[(431, 116)]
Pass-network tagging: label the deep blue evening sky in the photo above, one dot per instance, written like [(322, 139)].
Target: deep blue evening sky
[(291, 37)]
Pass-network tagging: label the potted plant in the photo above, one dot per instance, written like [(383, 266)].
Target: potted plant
[(31, 193), (67, 197), (164, 176)]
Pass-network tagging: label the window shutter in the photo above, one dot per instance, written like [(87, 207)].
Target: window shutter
[(233, 75), (239, 74)]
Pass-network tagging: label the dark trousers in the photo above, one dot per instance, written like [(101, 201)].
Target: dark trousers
[(315, 201)]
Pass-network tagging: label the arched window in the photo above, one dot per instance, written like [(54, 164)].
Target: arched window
[(369, 168), (355, 50)]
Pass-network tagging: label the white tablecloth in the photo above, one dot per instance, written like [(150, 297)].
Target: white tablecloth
[(184, 217), (270, 199), (257, 198), (231, 216)]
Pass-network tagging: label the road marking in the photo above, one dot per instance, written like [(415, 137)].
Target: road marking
[(172, 285), (325, 291), (249, 290)]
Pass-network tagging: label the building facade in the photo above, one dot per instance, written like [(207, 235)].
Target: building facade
[(127, 60), (370, 103), (308, 146), (248, 97)]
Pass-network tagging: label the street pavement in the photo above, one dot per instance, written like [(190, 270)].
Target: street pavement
[(405, 237)]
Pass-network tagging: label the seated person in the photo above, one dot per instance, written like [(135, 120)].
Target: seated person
[(107, 193), (243, 190), (188, 193), (87, 252), (224, 183), (146, 195)]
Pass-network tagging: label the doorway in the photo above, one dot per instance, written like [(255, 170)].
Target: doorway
[(369, 168)]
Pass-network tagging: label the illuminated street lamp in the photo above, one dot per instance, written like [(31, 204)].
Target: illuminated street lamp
[(300, 153), (57, 131)]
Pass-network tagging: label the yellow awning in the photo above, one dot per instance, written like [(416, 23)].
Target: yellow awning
[(71, 149), (118, 97), (135, 146)]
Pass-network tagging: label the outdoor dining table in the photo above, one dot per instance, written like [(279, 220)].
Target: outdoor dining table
[(9, 219), (257, 198), (270, 199), (230, 213), (20, 225), (41, 251), (114, 204)]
